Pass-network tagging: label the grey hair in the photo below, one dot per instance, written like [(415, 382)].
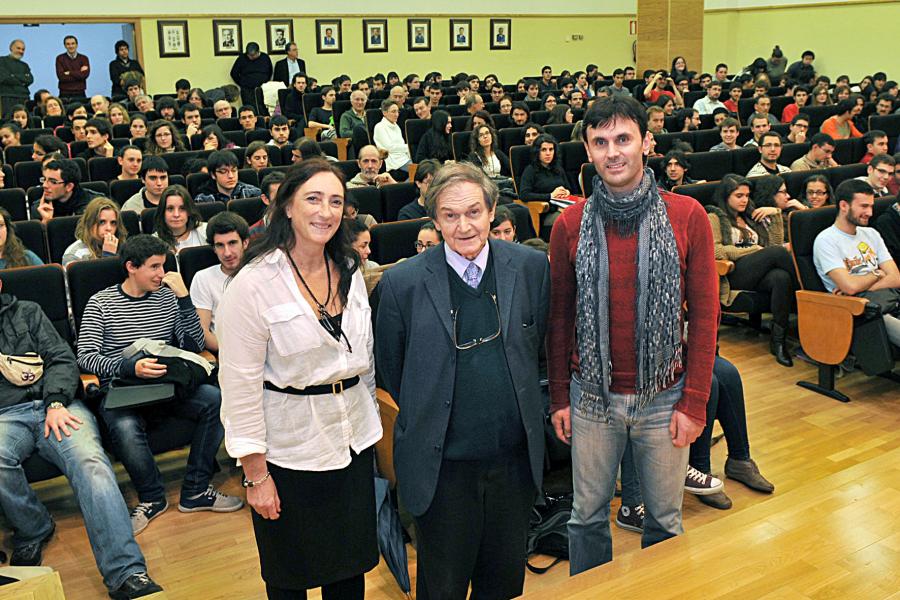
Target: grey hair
[(454, 174)]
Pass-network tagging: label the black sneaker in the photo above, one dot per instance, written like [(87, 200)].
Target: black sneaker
[(631, 518), (700, 484), (137, 585), (32, 554), (144, 512)]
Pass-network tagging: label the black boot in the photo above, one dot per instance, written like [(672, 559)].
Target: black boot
[(778, 346)]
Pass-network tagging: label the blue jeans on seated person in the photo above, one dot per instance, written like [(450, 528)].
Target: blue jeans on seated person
[(597, 450), (82, 459), (128, 434)]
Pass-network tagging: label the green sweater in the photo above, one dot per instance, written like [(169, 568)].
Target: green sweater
[(15, 77)]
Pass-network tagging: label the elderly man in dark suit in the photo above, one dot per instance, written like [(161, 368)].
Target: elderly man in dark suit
[(457, 338)]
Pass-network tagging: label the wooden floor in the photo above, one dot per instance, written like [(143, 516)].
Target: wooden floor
[(831, 530)]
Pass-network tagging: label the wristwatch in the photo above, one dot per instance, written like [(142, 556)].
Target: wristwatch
[(54, 405)]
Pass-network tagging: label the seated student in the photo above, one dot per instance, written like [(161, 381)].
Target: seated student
[(676, 164), (229, 235), (118, 115), (851, 258), (532, 131), (360, 240), (46, 419), (10, 135), (769, 146), (884, 105), (484, 152), (153, 304), (816, 192), (351, 211), (879, 173), (97, 134), (761, 106), (98, 233), (293, 101), (561, 114), (247, 118), (754, 239), (656, 120), (19, 116), (12, 252), (137, 128), (222, 109), (130, 159), (143, 103), (428, 237), (819, 156), (688, 119), (166, 108), (503, 227), (435, 144), (268, 189), (728, 131), (876, 143), (710, 102), (191, 122), (726, 404), (100, 105), (63, 195), (840, 126), (177, 221), (771, 190), (53, 107), (387, 136), (422, 107), (888, 225), (223, 184), (369, 161), (544, 178), (162, 138), (322, 117), (424, 174), (155, 175), (479, 118), (801, 97), (214, 138), (48, 144), (759, 124), (280, 131), (520, 114), (256, 157), (355, 117)]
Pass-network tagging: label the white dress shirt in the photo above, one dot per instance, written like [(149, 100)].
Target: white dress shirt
[(268, 332)]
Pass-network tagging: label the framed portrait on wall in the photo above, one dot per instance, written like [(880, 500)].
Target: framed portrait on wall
[(173, 39), (375, 35), (279, 33), (501, 34), (460, 34), (419, 34), (227, 37), (328, 36)]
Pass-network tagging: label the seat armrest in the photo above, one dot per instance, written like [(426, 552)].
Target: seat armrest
[(853, 305), (825, 323), (90, 385), (724, 267), (209, 356)]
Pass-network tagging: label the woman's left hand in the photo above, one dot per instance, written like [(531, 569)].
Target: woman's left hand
[(762, 212)]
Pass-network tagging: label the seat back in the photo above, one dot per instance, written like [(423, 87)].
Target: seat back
[(13, 200), (837, 175), (44, 285), (16, 154), (396, 196), (122, 190), (393, 241), (701, 192), (251, 209), (60, 235), (519, 158), (102, 168), (511, 136), (193, 260), (803, 227), (711, 166), (572, 156), (33, 236), (28, 172), (369, 199), (459, 140)]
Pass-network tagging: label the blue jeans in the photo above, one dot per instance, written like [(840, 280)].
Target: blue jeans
[(597, 450), (128, 435), (81, 458)]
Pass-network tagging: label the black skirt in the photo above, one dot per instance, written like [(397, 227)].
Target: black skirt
[(327, 528)]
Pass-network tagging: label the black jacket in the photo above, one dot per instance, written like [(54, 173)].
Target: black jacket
[(116, 69), (888, 225), (25, 328), (75, 205), (293, 107), (475, 159), (281, 70), (428, 148), (538, 184), (250, 74)]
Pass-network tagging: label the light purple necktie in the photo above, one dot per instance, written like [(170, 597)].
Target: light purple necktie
[(472, 275)]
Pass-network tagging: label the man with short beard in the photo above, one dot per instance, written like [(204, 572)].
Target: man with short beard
[(15, 77)]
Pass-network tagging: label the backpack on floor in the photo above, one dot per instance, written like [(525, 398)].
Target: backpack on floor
[(548, 533)]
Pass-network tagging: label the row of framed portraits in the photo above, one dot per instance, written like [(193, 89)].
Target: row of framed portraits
[(227, 40)]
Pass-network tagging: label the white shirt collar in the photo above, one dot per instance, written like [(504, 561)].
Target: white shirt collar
[(459, 263)]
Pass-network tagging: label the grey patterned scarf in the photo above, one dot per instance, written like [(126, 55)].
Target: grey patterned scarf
[(658, 310)]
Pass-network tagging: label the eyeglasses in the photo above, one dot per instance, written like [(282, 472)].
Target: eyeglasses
[(421, 246), (884, 172), (816, 193), (477, 341), (226, 171), (51, 181)]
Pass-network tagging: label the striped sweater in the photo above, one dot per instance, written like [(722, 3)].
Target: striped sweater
[(112, 320)]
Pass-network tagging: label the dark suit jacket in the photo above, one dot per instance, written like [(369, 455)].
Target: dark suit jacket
[(415, 356), (281, 70)]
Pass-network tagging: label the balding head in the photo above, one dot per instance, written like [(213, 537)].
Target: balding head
[(369, 160), (17, 49), (398, 94), (222, 109)]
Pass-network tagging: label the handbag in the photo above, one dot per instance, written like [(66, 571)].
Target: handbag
[(23, 370), (888, 300)]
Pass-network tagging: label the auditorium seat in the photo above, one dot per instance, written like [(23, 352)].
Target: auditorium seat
[(13, 201), (60, 235), (370, 202), (250, 209), (121, 190), (193, 260), (395, 196), (393, 241), (34, 237)]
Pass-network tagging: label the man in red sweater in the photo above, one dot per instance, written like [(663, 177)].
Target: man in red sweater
[(623, 263), (72, 70)]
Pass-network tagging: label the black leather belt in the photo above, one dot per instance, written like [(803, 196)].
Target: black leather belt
[(337, 387)]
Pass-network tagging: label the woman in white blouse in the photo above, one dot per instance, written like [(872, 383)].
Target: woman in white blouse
[(387, 136), (298, 392)]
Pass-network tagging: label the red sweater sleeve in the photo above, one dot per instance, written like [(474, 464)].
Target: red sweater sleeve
[(701, 290), (563, 287)]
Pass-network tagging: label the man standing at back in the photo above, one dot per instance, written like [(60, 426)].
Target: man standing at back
[(457, 339), (72, 70), (250, 70), (290, 65), (623, 264), (15, 77)]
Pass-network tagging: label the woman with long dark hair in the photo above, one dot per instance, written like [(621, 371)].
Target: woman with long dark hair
[(298, 391), (13, 252), (484, 152), (816, 192), (435, 144), (544, 177), (177, 221), (754, 239), (560, 115), (162, 138)]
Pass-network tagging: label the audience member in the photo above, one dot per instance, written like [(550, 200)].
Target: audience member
[(280, 131), (771, 190), (422, 107), (676, 165), (851, 258), (840, 126), (485, 153), (62, 195), (753, 238), (798, 129), (819, 156), (155, 175), (759, 124), (98, 234), (355, 117), (436, 144), (360, 241), (97, 135), (44, 145), (816, 192), (257, 156), (290, 65), (544, 179), (428, 237), (121, 65), (155, 305), (322, 117), (213, 138), (520, 113), (10, 135), (769, 146), (162, 138), (12, 252), (761, 106), (177, 221), (268, 189), (876, 142), (72, 70), (710, 102), (387, 136), (503, 225), (728, 131), (532, 131), (801, 96), (656, 120), (137, 127), (879, 173), (888, 225), (250, 70), (223, 184), (370, 162), (293, 100), (424, 175)]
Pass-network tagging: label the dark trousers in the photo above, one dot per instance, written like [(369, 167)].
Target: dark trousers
[(726, 403), (475, 530), (353, 588), (770, 270), (7, 102)]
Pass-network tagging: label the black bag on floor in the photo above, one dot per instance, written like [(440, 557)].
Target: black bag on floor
[(548, 533)]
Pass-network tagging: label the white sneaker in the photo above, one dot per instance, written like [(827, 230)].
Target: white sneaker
[(701, 484)]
